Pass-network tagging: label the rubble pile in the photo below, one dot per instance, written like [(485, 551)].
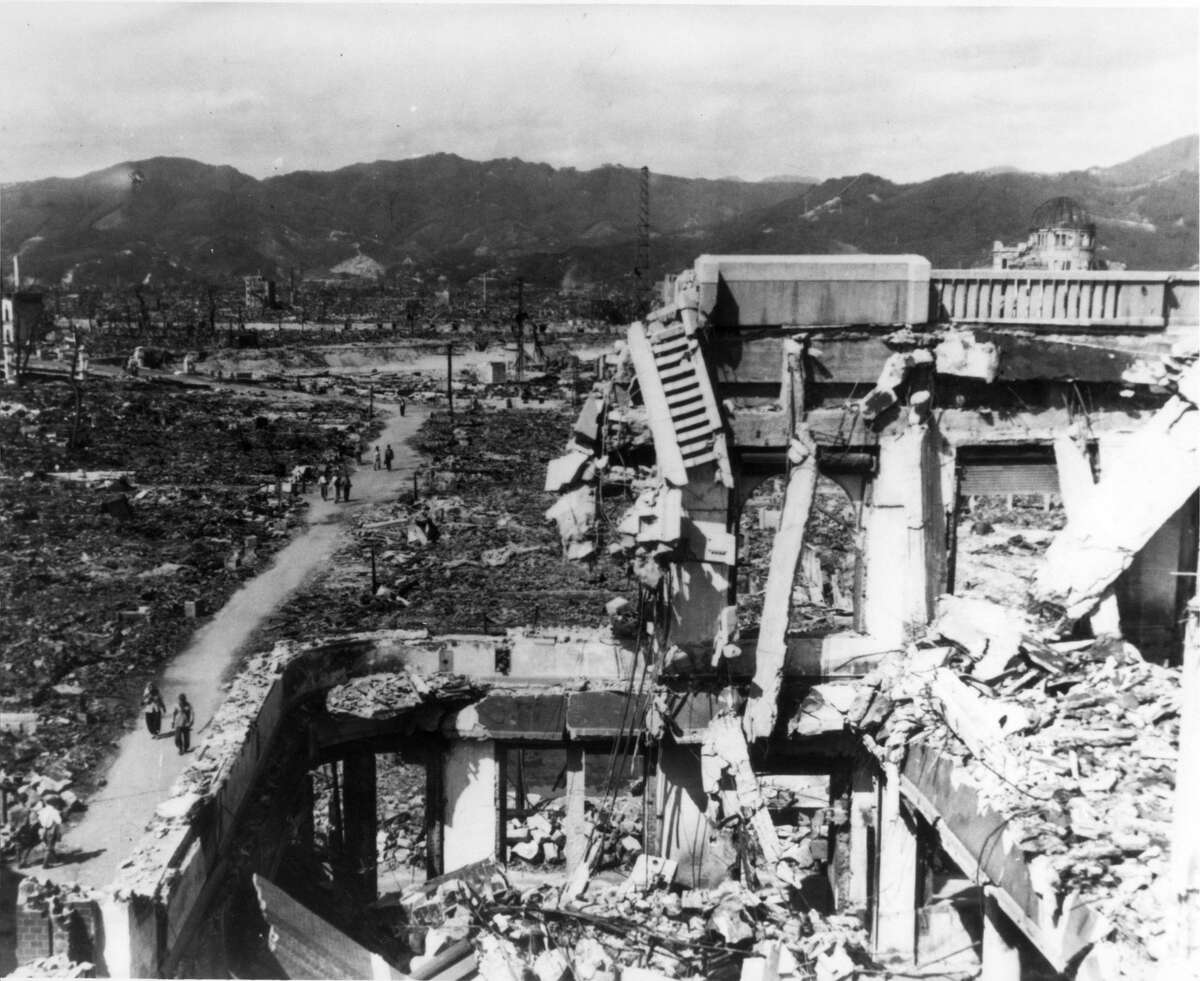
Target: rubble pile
[(642, 928), (114, 545), (538, 839), (1000, 546), (1074, 744), (57, 966)]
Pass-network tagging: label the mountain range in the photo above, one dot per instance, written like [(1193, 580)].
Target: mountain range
[(174, 219)]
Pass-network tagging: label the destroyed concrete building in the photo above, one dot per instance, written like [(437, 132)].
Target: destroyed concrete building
[(1062, 238), (934, 779)]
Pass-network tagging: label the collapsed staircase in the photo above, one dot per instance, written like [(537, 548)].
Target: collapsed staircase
[(689, 400)]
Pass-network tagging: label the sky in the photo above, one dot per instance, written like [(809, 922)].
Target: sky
[(745, 90)]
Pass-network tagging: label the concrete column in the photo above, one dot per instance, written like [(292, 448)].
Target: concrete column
[(435, 804), (470, 818), (130, 937), (896, 898), (862, 819), (904, 537), (700, 591), (685, 833), (573, 822), (1001, 956), (360, 823)]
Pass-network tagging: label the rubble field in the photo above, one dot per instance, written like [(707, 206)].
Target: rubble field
[(473, 553), (823, 593), (124, 524)]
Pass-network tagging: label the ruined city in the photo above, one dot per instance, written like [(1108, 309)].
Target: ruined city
[(621, 577)]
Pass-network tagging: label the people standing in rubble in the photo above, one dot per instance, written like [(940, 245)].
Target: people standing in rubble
[(323, 484), (378, 464), (51, 823), (154, 707), (388, 457), (345, 483), (182, 719)]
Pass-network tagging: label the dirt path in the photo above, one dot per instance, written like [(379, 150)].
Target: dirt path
[(143, 768)]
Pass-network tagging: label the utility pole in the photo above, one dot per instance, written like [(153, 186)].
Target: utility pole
[(450, 380), (519, 328), (641, 264)]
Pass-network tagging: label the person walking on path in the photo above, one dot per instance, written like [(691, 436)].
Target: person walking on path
[(323, 484), (388, 457), (153, 706), (346, 484), (377, 464), (182, 718), (403, 405), (51, 821)]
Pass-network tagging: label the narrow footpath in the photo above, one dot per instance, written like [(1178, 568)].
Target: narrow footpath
[(143, 769)]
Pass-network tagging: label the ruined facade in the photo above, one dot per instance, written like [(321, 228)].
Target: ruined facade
[(1062, 238), (946, 762)]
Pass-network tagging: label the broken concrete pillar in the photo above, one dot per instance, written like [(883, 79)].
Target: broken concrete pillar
[(763, 707), (863, 794), (131, 940), (704, 855), (1076, 485), (359, 824), (699, 595), (904, 529), (1001, 955), (896, 900), (575, 851), (470, 820)]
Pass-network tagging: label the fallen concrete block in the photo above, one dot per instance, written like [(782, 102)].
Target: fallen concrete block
[(565, 471), (1160, 469), (960, 354)]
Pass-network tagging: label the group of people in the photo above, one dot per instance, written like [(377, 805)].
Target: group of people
[(183, 717), (336, 477), (387, 458), (36, 820)]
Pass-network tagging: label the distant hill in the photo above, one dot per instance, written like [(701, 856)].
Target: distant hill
[(174, 217), (791, 179), (177, 219), (1177, 157)]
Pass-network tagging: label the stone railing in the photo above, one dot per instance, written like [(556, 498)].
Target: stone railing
[(1033, 297)]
